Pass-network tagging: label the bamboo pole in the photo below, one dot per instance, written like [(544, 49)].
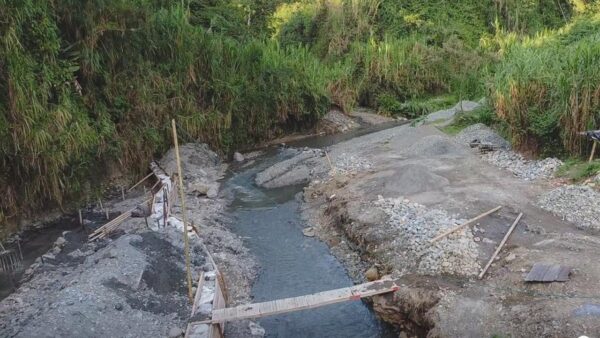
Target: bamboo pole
[(465, 224), (513, 226), (185, 234), (140, 181), (593, 152)]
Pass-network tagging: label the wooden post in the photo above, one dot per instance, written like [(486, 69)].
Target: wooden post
[(80, 218), (123, 193), (185, 232), (437, 238), (593, 152), (513, 226)]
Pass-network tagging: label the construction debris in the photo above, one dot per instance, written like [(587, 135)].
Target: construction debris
[(547, 273)]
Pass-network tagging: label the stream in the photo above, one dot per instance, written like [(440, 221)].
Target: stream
[(292, 264)]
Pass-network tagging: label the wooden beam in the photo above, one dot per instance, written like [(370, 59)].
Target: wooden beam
[(302, 303), (472, 220), (141, 181), (513, 226), (593, 152)]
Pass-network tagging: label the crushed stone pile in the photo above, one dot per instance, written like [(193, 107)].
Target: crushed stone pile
[(413, 225), (346, 163), (434, 145), (481, 133), (521, 167), (505, 158), (578, 204)]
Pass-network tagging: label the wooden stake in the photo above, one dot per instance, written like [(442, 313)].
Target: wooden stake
[(514, 225), (593, 152), (140, 182), (80, 218), (465, 224), (182, 195), (123, 193), (106, 212)]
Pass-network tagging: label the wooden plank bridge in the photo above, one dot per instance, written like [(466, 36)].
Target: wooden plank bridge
[(292, 304)]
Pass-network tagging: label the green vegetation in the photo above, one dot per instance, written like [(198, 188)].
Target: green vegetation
[(89, 86), (578, 170)]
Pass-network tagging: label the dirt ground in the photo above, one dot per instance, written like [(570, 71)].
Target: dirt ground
[(422, 166)]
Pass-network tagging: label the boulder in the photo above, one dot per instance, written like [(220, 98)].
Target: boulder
[(238, 157)]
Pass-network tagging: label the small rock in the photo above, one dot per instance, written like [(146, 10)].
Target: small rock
[(175, 332), (60, 241), (477, 239), (212, 192), (308, 232), (256, 330), (119, 307), (511, 257), (70, 302), (372, 274), (238, 157)]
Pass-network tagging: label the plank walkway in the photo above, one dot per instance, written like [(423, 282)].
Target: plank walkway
[(302, 302)]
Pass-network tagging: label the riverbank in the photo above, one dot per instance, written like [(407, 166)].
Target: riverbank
[(133, 283), (386, 194)]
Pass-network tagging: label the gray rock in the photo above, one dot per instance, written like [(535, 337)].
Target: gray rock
[(175, 332), (238, 157), (60, 241), (212, 192)]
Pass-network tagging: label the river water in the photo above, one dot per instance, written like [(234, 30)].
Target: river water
[(290, 263)]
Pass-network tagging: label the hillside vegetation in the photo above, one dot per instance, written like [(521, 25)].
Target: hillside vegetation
[(87, 86)]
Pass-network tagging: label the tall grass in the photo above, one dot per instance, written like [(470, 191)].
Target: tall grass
[(548, 87), (87, 85)]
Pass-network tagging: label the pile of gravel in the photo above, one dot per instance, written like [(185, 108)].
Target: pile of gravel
[(346, 163), (521, 167), (578, 204), (483, 134), (434, 145), (413, 225)]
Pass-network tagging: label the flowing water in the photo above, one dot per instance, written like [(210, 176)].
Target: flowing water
[(290, 263)]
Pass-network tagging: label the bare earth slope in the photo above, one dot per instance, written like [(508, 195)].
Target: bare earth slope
[(420, 181)]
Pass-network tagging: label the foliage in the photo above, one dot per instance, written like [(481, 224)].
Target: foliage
[(577, 170), (547, 89), (80, 92)]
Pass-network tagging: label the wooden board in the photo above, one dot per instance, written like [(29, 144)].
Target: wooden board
[(547, 273), (303, 302)]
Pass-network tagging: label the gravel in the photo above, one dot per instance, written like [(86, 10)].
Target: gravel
[(578, 204), (413, 225), (481, 133), (346, 163), (506, 158), (521, 167)]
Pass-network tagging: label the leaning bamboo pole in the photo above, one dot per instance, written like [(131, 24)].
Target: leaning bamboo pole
[(437, 238), (512, 227), (186, 240)]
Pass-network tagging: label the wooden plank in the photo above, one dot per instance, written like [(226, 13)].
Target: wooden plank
[(472, 220), (512, 227), (302, 302), (198, 293), (552, 273), (537, 273), (564, 273)]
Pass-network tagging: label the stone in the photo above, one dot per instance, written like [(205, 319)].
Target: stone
[(511, 257), (308, 232), (212, 192), (199, 187), (256, 329), (372, 274), (175, 332), (119, 307), (238, 157), (477, 239), (60, 241)]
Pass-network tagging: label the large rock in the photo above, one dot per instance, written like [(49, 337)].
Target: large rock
[(299, 169), (445, 117)]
